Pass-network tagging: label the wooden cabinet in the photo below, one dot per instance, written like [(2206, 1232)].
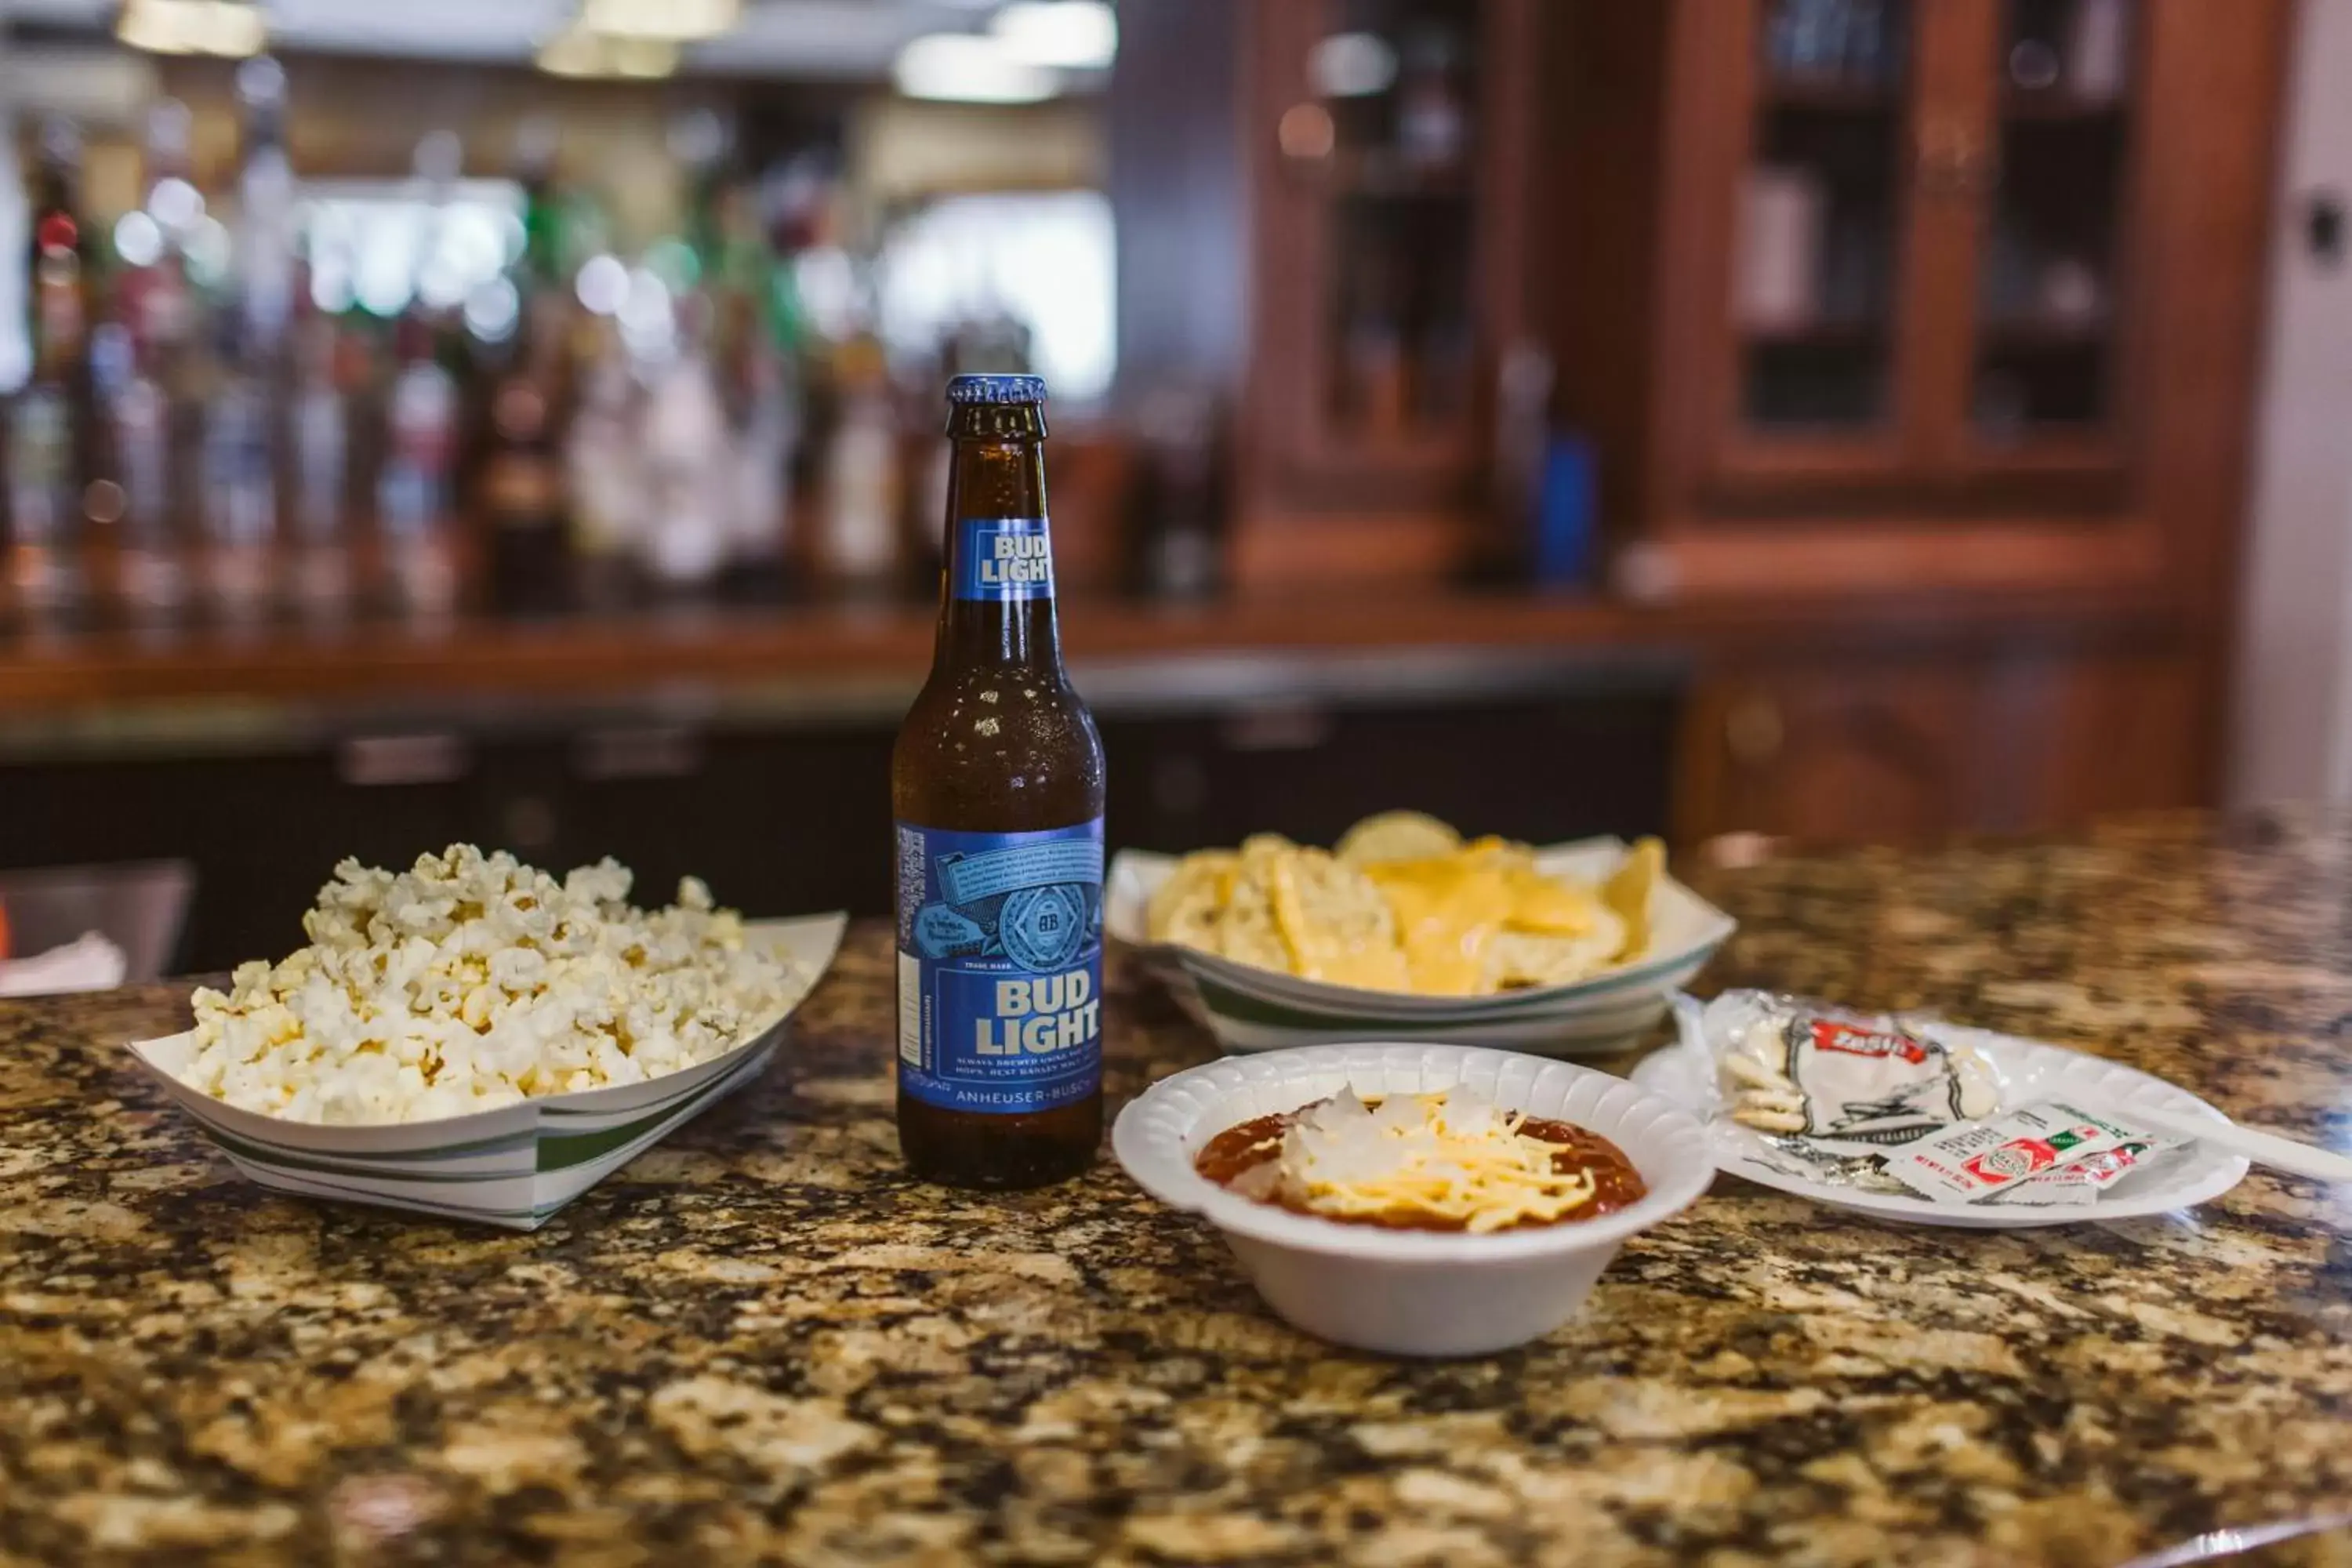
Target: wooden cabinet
[(1900, 750), (1928, 209), (1827, 752), (1938, 293), (1386, 147)]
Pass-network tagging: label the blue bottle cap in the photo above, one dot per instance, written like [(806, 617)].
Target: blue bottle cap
[(996, 389)]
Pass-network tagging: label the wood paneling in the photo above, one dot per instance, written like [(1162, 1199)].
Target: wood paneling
[(1908, 749)]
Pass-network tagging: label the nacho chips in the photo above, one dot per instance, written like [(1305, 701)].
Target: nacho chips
[(1404, 904)]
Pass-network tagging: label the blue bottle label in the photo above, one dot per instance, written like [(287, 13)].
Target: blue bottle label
[(999, 967), (1003, 560)]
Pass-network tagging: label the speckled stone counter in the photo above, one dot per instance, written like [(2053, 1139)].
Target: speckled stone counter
[(760, 1343)]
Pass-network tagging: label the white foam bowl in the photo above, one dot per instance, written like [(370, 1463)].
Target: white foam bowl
[(1417, 1293)]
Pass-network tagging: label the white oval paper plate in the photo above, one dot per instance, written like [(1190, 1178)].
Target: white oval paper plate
[(2030, 1071), (1252, 1009)]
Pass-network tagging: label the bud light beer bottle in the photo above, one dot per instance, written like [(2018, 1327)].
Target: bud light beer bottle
[(996, 785)]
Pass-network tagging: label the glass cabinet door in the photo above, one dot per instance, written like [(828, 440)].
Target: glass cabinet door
[(1393, 130), (1817, 249), (2050, 280)]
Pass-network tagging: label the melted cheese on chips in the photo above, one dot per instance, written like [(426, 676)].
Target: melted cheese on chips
[(1451, 1158), (1446, 911), (1449, 909), (1337, 928), (1406, 906)]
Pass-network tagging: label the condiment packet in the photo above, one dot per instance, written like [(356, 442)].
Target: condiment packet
[(2078, 1185), (1853, 1082), (1986, 1159), (1812, 1160)]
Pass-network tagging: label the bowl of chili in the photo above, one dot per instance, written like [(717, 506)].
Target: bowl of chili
[(1414, 1281)]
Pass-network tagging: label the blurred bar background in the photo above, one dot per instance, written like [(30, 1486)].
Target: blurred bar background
[(1741, 419)]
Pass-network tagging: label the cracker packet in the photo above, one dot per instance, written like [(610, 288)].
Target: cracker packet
[(1983, 1160), (1847, 1081)]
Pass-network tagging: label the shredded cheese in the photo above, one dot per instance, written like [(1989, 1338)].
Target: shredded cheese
[(1451, 1158)]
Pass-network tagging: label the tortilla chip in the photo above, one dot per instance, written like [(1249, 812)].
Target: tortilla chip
[(1396, 836), (1340, 929), (1246, 930), (1518, 960), (1553, 906), (1406, 905), (1188, 906), (1628, 893)]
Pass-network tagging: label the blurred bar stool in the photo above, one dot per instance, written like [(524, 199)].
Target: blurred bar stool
[(139, 907)]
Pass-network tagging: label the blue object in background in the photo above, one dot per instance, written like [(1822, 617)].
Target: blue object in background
[(1566, 512)]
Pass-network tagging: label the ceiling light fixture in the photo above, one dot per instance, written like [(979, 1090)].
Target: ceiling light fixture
[(1075, 34), (229, 28), (679, 21), (580, 52), (968, 68)]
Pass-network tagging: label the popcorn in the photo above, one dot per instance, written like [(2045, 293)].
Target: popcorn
[(471, 981)]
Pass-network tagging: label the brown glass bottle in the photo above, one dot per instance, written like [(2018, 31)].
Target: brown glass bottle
[(997, 786), (528, 533)]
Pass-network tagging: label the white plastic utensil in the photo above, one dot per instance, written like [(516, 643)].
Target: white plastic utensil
[(2275, 1150)]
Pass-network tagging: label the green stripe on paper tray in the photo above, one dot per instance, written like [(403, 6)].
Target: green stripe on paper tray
[(285, 1159), (376, 1196), (1248, 1007), (561, 1152), (433, 1155), (1593, 998)]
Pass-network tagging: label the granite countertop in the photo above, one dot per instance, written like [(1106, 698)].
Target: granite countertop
[(762, 1342)]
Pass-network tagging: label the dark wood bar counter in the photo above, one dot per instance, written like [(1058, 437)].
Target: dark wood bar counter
[(598, 659)]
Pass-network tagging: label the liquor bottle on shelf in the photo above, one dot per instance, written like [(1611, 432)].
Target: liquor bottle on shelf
[(1181, 492), (860, 547), (746, 344), (526, 533), (762, 456), (151, 386), (535, 148), (16, 240), (240, 490), (603, 471), (242, 440), (153, 297), (318, 428), (49, 435), (685, 430), (687, 466), (522, 499), (413, 490), (152, 575), (265, 219)]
